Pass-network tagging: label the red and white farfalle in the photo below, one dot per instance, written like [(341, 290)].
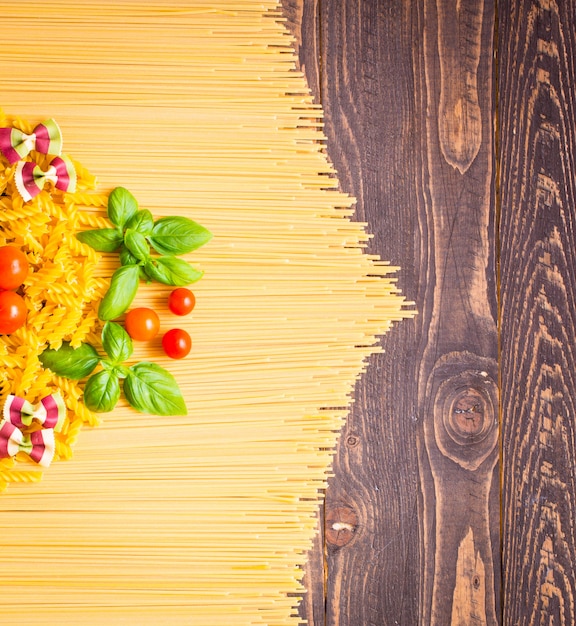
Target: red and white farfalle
[(30, 178), (18, 415), (46, 138)]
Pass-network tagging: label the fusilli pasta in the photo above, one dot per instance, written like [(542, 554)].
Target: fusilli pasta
[(61, 295)]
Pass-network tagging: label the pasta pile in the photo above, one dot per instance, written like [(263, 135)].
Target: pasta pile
[(197, 108), (61, 293)]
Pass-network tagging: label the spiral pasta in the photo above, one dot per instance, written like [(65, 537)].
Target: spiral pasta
[(61, 295)]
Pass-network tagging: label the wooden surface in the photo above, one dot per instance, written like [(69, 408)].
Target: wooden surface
[(538, 242), (454, 127)]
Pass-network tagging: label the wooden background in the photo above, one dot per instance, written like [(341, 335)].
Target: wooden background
[(453, 123)]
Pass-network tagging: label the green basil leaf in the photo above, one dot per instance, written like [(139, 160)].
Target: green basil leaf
[(123, 288), (136, 244), (102, 239), (69, 362), (121, 371), (116, 342), (142, 221), (178, 235), (127, 258), (122, 206), (171, 271), (102, 392), (149, 388), (108, 365)]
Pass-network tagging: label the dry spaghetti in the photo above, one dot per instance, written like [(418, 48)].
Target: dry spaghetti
[(197, 108)]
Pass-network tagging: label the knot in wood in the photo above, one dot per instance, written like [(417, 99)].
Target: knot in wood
[(464, 409), (467, 416), (352, 441), (340, 525)]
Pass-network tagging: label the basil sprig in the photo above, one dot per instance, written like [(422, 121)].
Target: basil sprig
[(171, 271), (117, 343), (147, 387), (177, 235), (136, 237), (150, 389), (102, 239), (142, 222), (122, 290), (69, 362), (122, 206), (102, 391)]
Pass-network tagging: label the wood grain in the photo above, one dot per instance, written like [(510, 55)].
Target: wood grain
[(458, 375), (367, 93), (365, 73), (407, 91), (537, 81)]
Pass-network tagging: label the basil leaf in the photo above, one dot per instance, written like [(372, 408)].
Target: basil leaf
[(121, 371), (142, 221), (69, 362), (117, 343), (102, 239), (123, 288), (122, 206), (149, 388), (127, 258), (102, 392), (171, 271), (136, 244), (178, 235)]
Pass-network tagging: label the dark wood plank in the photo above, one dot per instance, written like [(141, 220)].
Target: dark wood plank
[(458, 369), (407, 92), (365, 75), (537, 81), (367, 94)]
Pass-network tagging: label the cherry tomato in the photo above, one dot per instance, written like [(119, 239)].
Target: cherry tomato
[(177, 343), (12, 312), (142, 324), (181, 301), (13, 267)]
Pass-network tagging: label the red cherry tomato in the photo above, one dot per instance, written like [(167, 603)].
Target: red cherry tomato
[(13, 267), (181, 301), (142, 324), (177, 343), (12, 312)]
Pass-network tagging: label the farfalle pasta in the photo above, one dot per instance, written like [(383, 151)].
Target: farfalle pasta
[(62, 289)]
